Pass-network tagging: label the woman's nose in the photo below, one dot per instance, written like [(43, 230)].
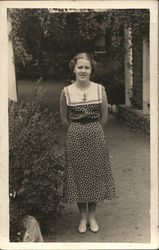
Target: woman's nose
[(83, 69)]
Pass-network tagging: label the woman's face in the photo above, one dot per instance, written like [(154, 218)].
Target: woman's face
[(82, 70)]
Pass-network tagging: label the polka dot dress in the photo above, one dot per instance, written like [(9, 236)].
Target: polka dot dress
[(88, 176)]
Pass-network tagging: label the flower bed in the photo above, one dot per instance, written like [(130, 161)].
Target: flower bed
[(134, 119)]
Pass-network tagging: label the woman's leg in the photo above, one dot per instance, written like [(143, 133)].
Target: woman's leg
[(93, 223), (83, 221)]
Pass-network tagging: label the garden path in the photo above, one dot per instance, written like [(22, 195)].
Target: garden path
[(125, 219)]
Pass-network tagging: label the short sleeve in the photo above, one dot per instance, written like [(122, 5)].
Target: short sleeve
[(103, 88)]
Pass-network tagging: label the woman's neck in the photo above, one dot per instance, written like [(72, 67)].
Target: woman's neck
[(82, 85)]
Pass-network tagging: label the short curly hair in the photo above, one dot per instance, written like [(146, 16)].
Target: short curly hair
[(82, 56)]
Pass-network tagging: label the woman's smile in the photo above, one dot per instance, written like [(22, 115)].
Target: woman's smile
[(83, 76)]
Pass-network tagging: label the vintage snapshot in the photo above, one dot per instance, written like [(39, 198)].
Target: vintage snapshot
[(80, 139)]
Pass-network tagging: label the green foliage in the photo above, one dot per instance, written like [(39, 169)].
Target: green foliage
[(35, 162), (52, 37), (41, 33), (133, 119), (110, 73)]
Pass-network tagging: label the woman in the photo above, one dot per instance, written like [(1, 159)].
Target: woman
[(84, 110)]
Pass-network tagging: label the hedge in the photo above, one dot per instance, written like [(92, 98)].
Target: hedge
[(35, 163), (133, 119)]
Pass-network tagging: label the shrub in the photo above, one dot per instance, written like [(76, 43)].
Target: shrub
[(35, 162), (110, 73), (133, 119)]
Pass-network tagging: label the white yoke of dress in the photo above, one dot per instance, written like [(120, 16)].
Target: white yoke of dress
[(75, 96)]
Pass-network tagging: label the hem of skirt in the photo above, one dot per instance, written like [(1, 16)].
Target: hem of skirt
[(91, 200)]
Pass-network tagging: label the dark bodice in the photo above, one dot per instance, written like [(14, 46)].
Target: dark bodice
[(84, 112)]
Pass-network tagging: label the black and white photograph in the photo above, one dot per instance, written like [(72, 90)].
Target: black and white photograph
[(79, 129)]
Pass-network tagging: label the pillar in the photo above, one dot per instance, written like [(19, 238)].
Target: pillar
[(12, 89), (128, 65), (146, 77)]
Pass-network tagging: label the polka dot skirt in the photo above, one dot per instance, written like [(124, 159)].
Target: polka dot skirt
[(88, 175)]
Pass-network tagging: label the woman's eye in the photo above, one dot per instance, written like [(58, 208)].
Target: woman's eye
[(80, 67)]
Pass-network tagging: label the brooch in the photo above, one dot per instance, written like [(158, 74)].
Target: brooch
[(84, 97)]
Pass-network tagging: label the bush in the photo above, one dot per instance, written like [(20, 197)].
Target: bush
[(110, 73), (35, 162), (133, 119), (49, 65)]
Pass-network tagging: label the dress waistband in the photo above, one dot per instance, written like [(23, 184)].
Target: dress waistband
[(84, 121)]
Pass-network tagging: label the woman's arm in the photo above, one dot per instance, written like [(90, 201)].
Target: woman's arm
[(104, 108), (64, 110)]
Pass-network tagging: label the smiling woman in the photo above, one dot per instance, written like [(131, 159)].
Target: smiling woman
[(84, 110)]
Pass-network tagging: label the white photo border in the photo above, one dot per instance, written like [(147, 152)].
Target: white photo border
[(152, 5)]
